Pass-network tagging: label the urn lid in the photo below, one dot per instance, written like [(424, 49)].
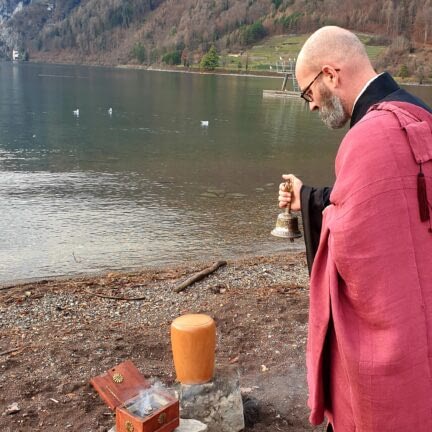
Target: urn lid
[(192, 320), (119, 384)]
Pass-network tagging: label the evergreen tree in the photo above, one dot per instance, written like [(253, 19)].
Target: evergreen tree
[(172, 58), (138, 51), (210, 60), (403, 71)]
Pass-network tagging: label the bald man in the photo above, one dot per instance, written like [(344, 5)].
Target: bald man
[(369, 245)]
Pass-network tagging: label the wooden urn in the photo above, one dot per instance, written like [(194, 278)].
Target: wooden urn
[(193, 341)]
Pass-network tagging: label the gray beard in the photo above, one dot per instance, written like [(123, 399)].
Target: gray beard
[(332, 112)]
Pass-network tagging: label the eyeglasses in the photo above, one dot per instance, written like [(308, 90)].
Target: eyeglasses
[(307, 97), (304, 95)]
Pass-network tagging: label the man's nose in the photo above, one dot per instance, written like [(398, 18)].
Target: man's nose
[(313, 106)]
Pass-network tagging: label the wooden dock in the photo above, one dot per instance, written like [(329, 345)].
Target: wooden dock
[(288, 69)]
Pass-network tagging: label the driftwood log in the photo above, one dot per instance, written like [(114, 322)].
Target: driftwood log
[(198, 276)]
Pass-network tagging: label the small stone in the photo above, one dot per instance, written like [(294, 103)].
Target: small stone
[(246, 389), (208, 195), (236, 195), (190, 425), (218, 192), (251, 411), (12, 409)]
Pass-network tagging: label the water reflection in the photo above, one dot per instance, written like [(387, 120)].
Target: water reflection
[(148, 184)]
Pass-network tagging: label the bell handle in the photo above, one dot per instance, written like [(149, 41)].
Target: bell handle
[(288, 188)]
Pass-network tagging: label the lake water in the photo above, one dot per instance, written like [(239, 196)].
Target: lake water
[(148, 184)]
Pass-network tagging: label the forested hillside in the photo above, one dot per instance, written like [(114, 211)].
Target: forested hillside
[(173, 31)]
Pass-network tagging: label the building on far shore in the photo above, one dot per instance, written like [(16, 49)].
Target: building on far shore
[(15, 55)]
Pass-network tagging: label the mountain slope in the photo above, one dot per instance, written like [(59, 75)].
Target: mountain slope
[(113, 31)]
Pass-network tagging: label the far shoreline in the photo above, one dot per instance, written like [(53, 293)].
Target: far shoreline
[(221, 72), (159, 68)]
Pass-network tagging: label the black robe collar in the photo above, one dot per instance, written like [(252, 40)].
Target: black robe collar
[(382, 88), (377, 90)]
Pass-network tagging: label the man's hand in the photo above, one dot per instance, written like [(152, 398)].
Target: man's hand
[(292, 197)]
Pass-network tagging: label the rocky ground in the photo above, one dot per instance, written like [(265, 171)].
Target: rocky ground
[(56, 335)]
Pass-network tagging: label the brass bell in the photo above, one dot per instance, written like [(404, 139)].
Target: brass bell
[(287, 224)]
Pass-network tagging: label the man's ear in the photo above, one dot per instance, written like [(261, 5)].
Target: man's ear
[(331, 76)]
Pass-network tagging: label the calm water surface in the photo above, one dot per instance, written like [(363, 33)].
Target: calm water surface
[(147, 184)]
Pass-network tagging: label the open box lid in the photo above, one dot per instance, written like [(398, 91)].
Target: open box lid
[(119, 384)]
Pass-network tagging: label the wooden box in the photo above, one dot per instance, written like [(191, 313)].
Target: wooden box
[(120, 388)]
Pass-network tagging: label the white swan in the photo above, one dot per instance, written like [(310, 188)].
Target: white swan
[(204, 123)]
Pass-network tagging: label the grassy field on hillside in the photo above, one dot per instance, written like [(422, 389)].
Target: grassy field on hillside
[(278, 50)]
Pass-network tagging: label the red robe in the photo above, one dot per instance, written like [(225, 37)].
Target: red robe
[(369, 353)]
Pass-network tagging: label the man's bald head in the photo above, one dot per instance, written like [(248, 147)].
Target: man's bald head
[(332, 69), (332, 45)]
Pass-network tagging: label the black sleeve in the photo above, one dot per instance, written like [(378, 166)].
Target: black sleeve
[(313, 201)]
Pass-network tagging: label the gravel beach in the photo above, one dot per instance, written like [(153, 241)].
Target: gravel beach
[(57, 334)]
